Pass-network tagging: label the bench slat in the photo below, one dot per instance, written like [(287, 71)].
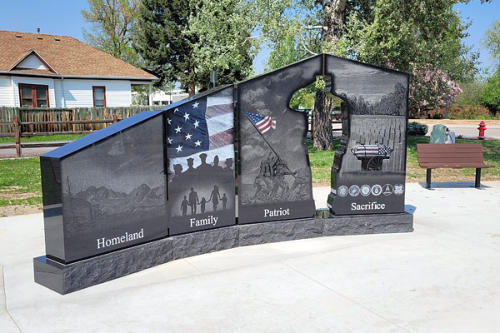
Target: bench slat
[(467, 155), (451, 154), (451, 159), (453, 166), (448, 147)]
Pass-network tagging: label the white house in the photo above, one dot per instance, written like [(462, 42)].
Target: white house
[(39, 70), (161, 97)]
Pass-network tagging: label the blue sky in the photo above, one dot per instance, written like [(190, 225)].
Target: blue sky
[(63, 17)]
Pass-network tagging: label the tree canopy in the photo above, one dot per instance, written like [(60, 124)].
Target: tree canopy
[(112, 22), (492, 40), (490, 95), (421, 37), (184, 40)]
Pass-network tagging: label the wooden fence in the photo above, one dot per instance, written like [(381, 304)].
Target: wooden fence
[(18, 132), (23, 122), (60, 120)]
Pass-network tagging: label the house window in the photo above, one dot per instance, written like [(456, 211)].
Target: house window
[(99, 96), (34, 95)]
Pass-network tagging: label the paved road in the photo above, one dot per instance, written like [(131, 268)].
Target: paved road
[(443, 277), (26, 152), (469, 131)]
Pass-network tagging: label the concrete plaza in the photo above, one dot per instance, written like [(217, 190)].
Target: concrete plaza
[(443, 277)]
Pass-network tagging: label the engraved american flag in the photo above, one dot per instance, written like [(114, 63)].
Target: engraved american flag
[(204, 125)]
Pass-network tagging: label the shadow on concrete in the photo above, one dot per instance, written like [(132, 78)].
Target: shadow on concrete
[(436, 185)]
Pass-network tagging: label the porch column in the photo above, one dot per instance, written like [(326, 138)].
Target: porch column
[(150, 97)]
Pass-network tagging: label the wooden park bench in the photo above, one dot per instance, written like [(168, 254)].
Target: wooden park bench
[(455, 156)]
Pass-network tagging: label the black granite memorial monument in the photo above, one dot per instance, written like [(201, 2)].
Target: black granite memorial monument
[(275, 177), (368, 173), (161, 185)]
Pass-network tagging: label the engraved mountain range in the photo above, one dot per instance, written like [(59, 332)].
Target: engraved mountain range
[(101, 201)]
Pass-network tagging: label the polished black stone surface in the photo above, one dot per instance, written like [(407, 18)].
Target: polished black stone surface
[(201, 159), (85, 273), (274, 176), (368, 173), (109, 194)]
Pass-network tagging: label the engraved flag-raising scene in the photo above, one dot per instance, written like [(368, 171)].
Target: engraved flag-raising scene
[(223, 168)]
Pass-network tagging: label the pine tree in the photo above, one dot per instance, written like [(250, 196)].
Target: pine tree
[(161, 38), (184, 40)]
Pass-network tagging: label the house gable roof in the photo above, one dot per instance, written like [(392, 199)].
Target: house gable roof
[(64, 56), (32, 61)]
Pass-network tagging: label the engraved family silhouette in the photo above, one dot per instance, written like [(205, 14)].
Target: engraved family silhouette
[(193, 201), (200, 180)]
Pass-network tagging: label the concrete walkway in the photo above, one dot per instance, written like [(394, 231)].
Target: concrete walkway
[(444, 277)]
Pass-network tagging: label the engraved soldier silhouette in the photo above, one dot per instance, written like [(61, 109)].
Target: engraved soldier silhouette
[(184, 206), (177, 170), (216, 166), (176, 177), (224, 201), (204, 165), (190, 169), (203, 202), (193, 200), (229, 163), (215, 197)]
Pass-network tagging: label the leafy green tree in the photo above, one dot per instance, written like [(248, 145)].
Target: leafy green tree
[(294, 30), (492, 40), (471, 93), (422, 38), (183, 41), (112, 23), (224, 43), (490, 96)]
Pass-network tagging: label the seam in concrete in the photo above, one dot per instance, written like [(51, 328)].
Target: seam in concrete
[(200, 272), (346, 297), (5, 299)]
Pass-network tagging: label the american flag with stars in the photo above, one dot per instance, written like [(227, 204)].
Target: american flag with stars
[(263, 123), (204, 125)]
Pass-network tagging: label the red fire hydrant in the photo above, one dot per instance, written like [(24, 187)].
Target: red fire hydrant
[(481, 128)]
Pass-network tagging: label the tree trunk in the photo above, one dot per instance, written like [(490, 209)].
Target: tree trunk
[(334, 19), (191, 89), (322, 123)]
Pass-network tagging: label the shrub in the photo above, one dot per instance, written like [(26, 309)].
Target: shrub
[(471, 94), (469, 112), (415, 128), (490, 96)]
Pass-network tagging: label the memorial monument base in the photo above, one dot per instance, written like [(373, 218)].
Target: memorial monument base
[(67, 278)]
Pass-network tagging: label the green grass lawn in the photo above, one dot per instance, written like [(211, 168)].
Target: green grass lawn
[(321, 163), (20, 182), (58, 137), (491, 152)]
